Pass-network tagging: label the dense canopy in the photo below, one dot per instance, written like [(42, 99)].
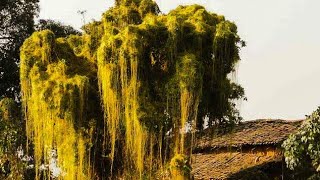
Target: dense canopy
[(16, 24), (119, 99)]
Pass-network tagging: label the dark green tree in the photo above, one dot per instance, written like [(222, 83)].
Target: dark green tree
[(16, 24), (58, 28)]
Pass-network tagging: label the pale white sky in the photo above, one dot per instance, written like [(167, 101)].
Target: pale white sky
[(280, 67)]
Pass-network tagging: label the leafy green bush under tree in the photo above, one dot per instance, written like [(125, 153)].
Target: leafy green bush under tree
[(302, 149)]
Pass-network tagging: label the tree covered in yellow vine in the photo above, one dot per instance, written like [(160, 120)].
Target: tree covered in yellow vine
[(119, 99)]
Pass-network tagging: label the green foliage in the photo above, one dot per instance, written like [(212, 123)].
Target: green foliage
[(94, 31), (11, 139), (58, 28), (9, 126), (156, 74), (16, 24), (9, 110), (183, 58), (55, 87), (180, 163), (302, 149)]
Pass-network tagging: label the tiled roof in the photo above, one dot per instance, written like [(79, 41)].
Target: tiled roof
[(224, 165), (257, 132)]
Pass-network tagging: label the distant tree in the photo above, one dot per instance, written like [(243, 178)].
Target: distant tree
[(16, 24), (302, 149), (58, 28)]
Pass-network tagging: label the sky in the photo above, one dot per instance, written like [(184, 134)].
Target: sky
[(279, 68)]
